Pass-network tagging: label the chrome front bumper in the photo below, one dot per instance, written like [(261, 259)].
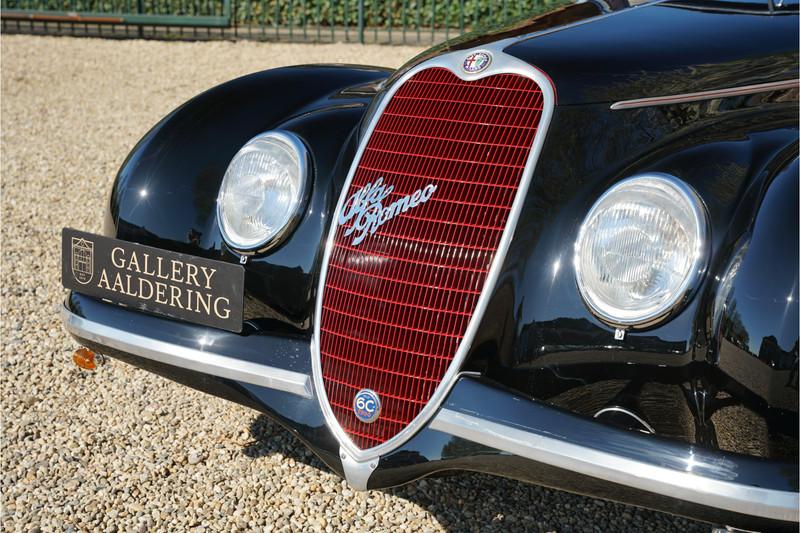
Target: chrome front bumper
[(197, 359), (506, 424)]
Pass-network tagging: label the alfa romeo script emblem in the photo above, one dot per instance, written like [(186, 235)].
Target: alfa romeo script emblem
[(82, 260), (477, 61), (365, 210), (367, 406)]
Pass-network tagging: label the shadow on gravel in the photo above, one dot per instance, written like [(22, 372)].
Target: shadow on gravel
[(464, 501), (270, 438)]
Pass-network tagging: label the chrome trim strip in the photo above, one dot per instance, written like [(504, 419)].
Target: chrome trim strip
[(706, 95), (501, 63), (745, 499), (627, 412), (190, 358)]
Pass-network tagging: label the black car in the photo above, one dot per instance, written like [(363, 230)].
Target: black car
[(564, 251)]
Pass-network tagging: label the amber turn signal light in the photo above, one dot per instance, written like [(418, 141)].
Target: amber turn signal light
[(84, 358)]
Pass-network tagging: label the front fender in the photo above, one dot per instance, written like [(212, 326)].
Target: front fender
[(165, 192), (756, 309)]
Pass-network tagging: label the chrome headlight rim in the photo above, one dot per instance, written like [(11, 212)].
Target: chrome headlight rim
[(304, 169), (696, 271)]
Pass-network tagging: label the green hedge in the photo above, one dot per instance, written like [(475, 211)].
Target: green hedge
[(377, 13), (411, 13)]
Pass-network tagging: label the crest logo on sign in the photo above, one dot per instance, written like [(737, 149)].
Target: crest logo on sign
[(82, 260)]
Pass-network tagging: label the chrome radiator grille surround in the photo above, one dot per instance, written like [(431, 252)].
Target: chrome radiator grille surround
[(397, 309)]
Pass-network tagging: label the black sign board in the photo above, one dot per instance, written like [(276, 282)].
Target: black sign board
[(194, 289)]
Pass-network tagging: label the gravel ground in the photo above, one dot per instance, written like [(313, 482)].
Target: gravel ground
[(124, 450)]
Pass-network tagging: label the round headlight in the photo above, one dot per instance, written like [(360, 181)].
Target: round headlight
[(263, 190), (640, 249)]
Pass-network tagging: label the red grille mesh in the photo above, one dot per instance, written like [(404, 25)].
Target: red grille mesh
[(396, 306)]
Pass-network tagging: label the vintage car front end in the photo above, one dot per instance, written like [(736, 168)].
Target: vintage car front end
[(563, 252)]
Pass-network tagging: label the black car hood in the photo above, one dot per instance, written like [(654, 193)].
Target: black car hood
[(651, 50), (662, 49)]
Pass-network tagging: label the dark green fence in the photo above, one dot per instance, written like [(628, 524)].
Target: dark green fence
[(380, 21)]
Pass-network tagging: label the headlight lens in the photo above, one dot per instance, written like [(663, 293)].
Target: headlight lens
[(263, 190), (640, 249)]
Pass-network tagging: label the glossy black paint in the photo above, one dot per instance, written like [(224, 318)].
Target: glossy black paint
[(537, 339), (755, 313), (757, 304), (165, 193), (661, 49)]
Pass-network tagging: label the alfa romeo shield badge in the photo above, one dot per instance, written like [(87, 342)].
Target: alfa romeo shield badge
[(476, 62)]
